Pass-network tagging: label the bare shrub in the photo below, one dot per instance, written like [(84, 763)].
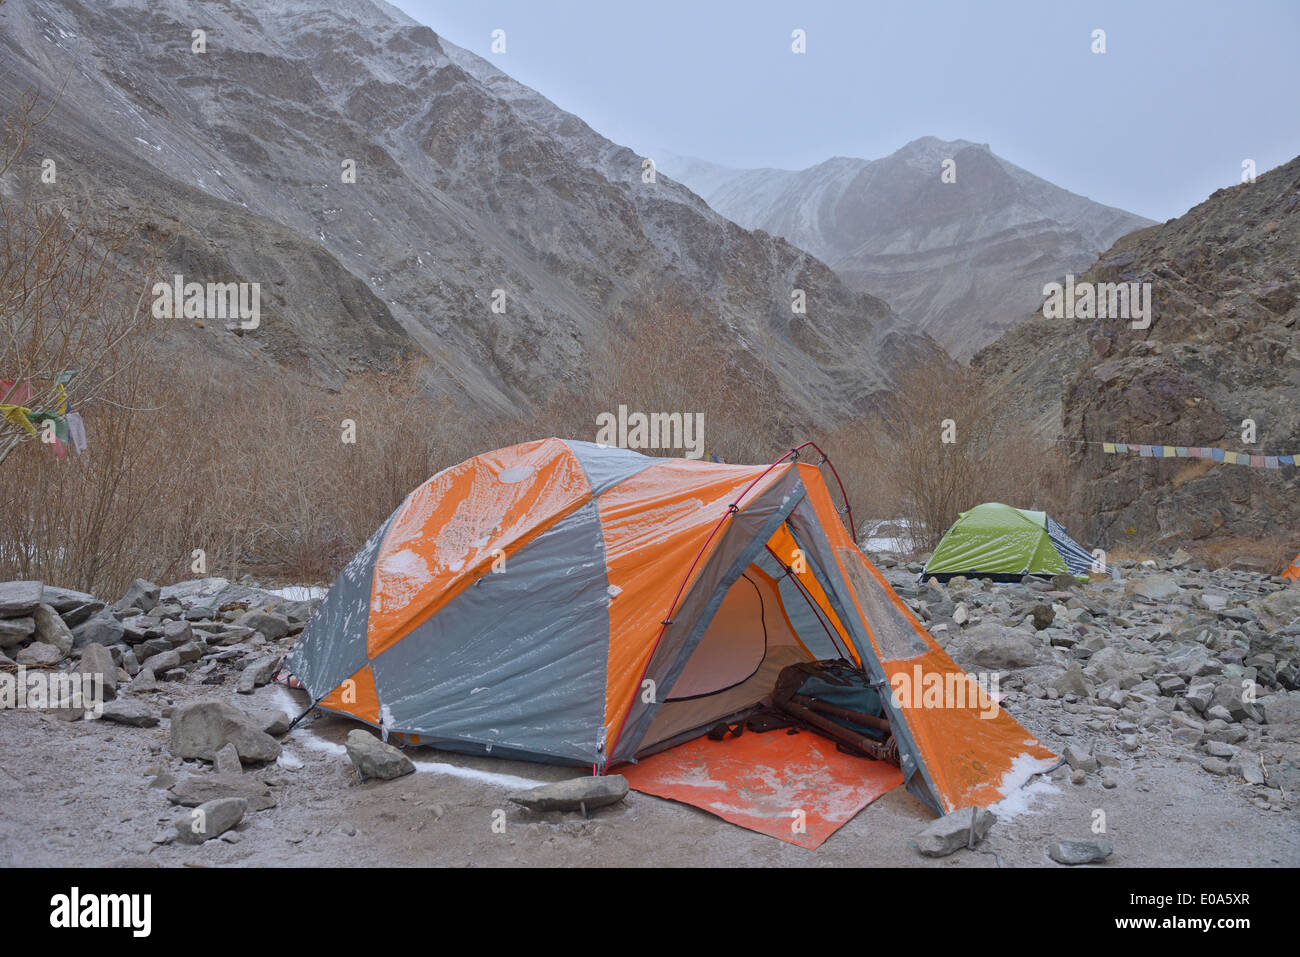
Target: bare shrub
[(896, 462), (65, 305), (663, 353)]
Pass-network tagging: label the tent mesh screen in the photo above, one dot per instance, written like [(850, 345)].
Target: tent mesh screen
[(894, 634)]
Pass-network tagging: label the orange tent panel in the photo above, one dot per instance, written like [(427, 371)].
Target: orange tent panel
[(969, 747), (655, 525), (450, 530), (356, 696)]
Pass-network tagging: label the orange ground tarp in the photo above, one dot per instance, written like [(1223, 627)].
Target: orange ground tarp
[(797, 788)]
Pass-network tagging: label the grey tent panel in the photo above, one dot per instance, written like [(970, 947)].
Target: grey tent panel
[(517, 660), (606, 466), (333, 646), (809, 622)]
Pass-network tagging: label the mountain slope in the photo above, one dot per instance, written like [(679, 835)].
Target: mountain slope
[(466, 183), (1223, 346), (962, 260)]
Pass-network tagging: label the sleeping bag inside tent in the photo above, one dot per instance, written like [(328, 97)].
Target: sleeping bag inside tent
[(1005, 543), (568, 602)]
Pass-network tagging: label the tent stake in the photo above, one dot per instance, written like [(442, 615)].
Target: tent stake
[(310, 708)]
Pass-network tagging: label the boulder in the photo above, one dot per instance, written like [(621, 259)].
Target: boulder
[(575, 794), (188, 653), (1247, 766), (228, 760), (1073, 682), (992, 646), (1114, 664), (1154, 589), (51, 629), (375, 759), (19, 599), (274, 723), (273, 626), (257, 673), (16, 631), (163, 661), (211, 819), (1080, 758), (200, 729), (964, 827), (1282, 713), (66, 601), (38, 655), (142, 594), (131, 713), (1228, 695), (98, 660), (102, 630), (1200, 694), (177, 632), (194, 790), (1080, 852), (1043, 615), (1279, 609)]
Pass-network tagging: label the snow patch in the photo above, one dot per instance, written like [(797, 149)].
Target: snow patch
[(473, 774), (299, 592), (290, 762), (516, 474), (1019, 796), (404, 574)]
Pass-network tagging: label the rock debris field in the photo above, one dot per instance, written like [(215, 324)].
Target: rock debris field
[(1169, 689)]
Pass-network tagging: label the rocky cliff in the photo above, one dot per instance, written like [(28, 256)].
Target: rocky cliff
[(1223, 346)]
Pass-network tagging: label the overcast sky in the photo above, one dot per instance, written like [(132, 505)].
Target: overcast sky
[(1185, 92)]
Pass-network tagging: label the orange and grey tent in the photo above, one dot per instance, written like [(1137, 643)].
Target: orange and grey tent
[(568, 602), (1293, 570)]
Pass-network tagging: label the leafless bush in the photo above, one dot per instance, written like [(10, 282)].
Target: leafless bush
[(663, 353), (941, 443), (65, 304)]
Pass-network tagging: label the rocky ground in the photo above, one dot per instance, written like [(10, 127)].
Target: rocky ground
[(1169, 688)]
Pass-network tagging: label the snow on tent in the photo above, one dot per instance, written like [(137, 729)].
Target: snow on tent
[(1004, 543), (529, 601), (1293, 570)]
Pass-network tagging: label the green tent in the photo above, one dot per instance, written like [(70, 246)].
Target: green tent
[(1004, 543)]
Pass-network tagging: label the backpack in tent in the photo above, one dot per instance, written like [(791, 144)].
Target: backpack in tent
[(567, 602), (1004, 543)]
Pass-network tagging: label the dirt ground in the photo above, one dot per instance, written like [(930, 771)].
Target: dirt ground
[(79, 794)]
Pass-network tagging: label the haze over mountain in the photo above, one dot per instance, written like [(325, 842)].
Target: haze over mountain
[(961, 260), (1223, 347), (466, 183)]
